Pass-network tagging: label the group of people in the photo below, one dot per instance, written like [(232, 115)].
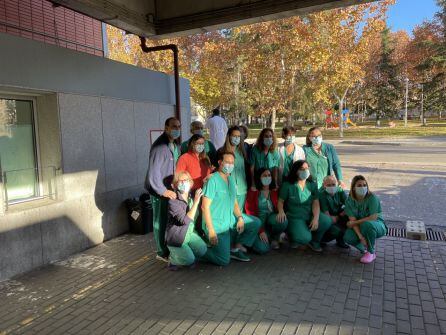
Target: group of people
[(214, 201)]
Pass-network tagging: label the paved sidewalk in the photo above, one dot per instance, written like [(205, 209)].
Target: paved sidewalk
[(118, 288)]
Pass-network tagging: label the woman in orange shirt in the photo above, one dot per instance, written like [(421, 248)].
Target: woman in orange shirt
[(195, 161)]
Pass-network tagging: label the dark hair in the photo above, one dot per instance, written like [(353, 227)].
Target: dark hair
[(190, 147), (307, 139), (288, 130), (245, 129), (167, 122), (355, 179), (227, 146), (221, 153), (258, 180), (259, 143), (216, 111), (292, 175)]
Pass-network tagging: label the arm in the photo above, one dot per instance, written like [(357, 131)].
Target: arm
[(275, 177), (316, 209), (156, 165), (336, 165), (176, 210), (206, 207), (240, 221), (281, 216), (352, 223), (193, 211), (253, 184)]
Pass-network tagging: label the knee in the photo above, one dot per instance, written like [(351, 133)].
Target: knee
[(350, 237), (368, 228)]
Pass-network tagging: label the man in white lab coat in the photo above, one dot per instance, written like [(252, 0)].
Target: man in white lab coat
[(217, 129)]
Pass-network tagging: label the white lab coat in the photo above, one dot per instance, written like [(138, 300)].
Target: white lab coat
[(217, 130)]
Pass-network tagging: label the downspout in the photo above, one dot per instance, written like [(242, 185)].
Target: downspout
[(174, 49)]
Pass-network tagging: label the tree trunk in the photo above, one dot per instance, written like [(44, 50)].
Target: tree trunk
[(273, 119)]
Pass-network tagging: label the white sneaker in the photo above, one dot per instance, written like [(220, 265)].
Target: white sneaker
[(162, 259), (275, 245), (283, 238)]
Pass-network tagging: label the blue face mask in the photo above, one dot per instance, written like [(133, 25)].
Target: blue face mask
[(317, 140), (184, 187), (199, 148), (289, 140), (266, 180), (227, 168), (331, 189), (303, 174), (235, 140), (174, 133), (198, 132), (361, 191), (267, 141)]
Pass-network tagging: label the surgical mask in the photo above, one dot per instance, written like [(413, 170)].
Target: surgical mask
[(268, 141), (184, 187), (235, 140), (317, 140), (331, 189), (361, 191), (303, 174), (198, 132), (289, 140), (199, 148), (266, 180), (174, 133), (227, 168)]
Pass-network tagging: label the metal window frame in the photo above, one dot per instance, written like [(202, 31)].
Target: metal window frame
[(38, 166)]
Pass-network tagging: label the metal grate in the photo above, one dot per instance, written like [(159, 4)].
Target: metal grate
[(432, 235)]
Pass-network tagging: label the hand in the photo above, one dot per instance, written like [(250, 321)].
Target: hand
[(198, 194), (170, 194), (314, 224), (342, 184), (351, 224), (240, 225), (213, 239), (253, 188), (264, 237), (281, 217)]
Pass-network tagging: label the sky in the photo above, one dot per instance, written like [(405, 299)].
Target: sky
[(406, 14)]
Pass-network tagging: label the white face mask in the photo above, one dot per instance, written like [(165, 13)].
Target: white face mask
[(331, 189), (361, 191), (184, 187)]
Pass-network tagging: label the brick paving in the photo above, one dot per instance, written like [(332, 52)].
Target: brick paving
[(118, 288)]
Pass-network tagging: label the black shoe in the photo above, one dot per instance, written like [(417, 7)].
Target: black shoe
[(342, 244)]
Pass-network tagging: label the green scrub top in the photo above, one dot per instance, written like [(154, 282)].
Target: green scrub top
[(269, 161), (318, 166), (363, 208), (239, 174), (175, 152), (265, 205), (287, 162), (222, 195), (334, 204), (297, 201)]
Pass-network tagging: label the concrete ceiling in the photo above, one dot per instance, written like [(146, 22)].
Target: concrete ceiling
[(169, 18)]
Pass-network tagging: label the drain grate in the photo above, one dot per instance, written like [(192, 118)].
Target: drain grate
[(432, 235)]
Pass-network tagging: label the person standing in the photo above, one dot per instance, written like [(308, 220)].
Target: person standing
[(163, 157), (289, 152), (196, 128), (217, 129)]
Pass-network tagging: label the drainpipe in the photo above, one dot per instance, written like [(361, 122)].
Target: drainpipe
[(174, 49)]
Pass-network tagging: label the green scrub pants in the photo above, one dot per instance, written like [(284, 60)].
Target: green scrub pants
[(219, 254), (192, 248), (250, 231), (273, 229), (371, 230), (159, 206), (299, 232)]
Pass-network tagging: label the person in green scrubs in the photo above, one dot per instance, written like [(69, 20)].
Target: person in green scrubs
[(262, 203), (184, 244), (235, 144), (322, 158), (332, 200), (264, 154), (366, 221), (196, 127), (223, 222), (306, 224), (289, 152)]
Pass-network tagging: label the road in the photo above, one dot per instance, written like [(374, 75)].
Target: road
[(409, 175)]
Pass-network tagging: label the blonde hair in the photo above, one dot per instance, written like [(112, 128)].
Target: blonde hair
[(177, 176)]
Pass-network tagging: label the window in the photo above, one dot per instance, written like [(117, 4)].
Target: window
[(18, 150)]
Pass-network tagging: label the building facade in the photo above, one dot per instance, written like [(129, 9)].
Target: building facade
[(74, 135)]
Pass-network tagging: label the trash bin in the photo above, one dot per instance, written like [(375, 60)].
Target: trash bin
[(134, 216), (147, 213)]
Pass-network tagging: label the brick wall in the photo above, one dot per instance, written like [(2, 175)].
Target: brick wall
[(39, 20)]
